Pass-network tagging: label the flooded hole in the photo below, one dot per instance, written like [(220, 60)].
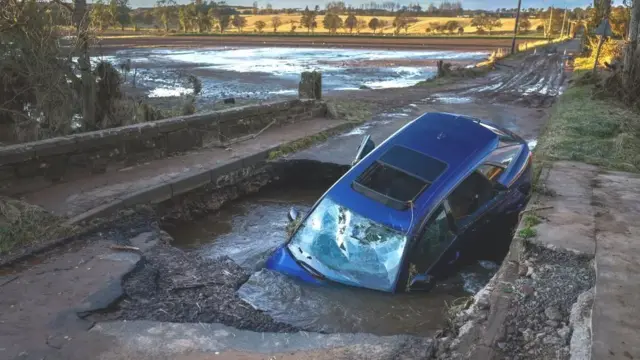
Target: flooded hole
[(249, 229)]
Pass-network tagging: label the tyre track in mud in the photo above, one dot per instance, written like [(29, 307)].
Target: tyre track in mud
[(534, 82)]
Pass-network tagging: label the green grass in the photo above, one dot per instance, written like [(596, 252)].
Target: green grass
[(527, 233), (602, 132), (531, 220), (355, 112)]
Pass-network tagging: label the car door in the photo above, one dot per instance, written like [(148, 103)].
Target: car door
[(431, 244), (472, 204)]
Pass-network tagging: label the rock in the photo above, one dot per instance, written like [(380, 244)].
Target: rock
[(527, 289), (553, 313), (502, 345), (529, 272), (522, 270), (564, 333), (527, 335), (230, 100), (482, 300)]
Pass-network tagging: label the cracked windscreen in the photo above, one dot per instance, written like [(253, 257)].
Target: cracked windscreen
[(349, 248)]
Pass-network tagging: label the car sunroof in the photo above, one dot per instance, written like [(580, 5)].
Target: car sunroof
[(399, 176)]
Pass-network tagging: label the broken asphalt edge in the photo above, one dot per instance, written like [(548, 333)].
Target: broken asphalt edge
[(165, 191)]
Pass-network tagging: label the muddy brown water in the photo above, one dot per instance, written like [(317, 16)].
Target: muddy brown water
[(250, 229)]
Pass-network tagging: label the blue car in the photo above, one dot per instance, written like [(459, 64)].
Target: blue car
[(410, 209)]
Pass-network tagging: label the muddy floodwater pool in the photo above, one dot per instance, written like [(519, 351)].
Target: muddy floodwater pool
[(263, 72), (248, 230)]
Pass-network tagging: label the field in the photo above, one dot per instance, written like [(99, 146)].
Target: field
[(416, 28)]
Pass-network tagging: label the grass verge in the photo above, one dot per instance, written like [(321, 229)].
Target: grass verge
[(23, 224), (354, 112), (602, 132)]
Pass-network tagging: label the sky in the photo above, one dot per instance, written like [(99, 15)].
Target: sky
[(468, 4)]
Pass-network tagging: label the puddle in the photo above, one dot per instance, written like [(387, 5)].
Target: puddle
[(449, 99)]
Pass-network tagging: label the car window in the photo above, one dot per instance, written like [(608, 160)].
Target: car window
[(434, 239), (492, 172), (469, 196)]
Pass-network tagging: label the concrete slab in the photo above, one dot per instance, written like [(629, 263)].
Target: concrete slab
[(161, 340), (569, 217), (40, 305), (76, 198), (615, 317)]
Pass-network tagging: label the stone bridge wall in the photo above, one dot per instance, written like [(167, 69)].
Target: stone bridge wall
[(112, 149)]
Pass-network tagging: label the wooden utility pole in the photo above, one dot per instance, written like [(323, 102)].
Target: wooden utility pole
[(564, 19), (550, 22), (515, 29)]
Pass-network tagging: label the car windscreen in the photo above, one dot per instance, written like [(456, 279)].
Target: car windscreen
[(349, 248), (399, 176)]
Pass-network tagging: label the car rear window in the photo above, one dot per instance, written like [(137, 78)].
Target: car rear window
[(399, 176)]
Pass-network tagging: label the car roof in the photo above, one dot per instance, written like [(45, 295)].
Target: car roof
[(459, 141)]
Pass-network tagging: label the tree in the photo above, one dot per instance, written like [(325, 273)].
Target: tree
[(308, 19), (361, 25), (451, 26), (276, 22), (292, 26), (382, 24), (479, 21), (254, 8), (351, 22), (402, 21), (460, 31), (122, 10), (374, 23), (221, 13), (435, 26), (631, 65), (524, 25), (164, 11), (239, 22), (332, 22), (260, 25), (100, 15), (492, 23)]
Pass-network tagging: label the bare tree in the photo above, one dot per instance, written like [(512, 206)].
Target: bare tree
[(632, 50), (276, 22)]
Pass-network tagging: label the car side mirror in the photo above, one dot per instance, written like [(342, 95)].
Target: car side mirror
[(366, 146), (293, 215)]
